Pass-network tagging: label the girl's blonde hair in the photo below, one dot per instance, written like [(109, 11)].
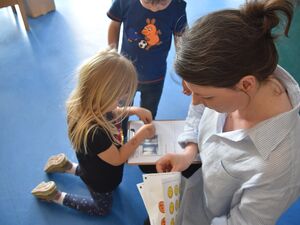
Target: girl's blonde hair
[(103, 80)]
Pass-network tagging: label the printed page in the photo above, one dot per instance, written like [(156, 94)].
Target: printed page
[(155, 196), (171, 190), (163, 142), (144, 196)]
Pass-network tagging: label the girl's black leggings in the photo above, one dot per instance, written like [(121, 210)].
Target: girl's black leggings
[(98, 204)]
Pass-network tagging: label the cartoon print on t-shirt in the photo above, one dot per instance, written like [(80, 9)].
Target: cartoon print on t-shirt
[(147, 37), (133, 35), (151, 34)]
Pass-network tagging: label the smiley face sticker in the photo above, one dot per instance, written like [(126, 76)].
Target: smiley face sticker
[(161, 206), (171, 207), (163, 221), (170, 192), (176, 189), (177, 204), (172, 221)]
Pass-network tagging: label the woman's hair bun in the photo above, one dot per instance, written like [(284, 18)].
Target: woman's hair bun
[(265, 14)]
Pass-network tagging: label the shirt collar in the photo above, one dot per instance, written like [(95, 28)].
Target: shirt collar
[(268, 134)]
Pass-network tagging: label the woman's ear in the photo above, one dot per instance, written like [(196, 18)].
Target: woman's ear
[(247, 83)]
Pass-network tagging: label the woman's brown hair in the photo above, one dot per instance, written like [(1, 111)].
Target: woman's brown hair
[(224, 46)]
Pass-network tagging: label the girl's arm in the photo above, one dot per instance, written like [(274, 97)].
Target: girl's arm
[(144, 114), (116, 157), (114, 33)]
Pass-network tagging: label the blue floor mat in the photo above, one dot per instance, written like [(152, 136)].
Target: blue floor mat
[(36, 76)]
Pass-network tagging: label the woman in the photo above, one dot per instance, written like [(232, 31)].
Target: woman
[(243, 119)]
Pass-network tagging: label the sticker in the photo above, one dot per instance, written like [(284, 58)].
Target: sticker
[(171, 207), (161, 206), (170, 192), (177, 204), (176, 190), (172, 221)]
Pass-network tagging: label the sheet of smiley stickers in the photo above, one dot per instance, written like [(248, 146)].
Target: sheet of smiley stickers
[(161, 196)]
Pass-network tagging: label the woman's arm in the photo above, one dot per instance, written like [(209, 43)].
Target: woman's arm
[(178, 162), (114, 33), (258, 205), (117, 157), (188, 140), (190, 132)]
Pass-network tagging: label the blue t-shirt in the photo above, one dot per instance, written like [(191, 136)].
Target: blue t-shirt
[(147, 35)]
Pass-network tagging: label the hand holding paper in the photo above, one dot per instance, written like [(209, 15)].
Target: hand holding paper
[(177, 162), (161, 196)]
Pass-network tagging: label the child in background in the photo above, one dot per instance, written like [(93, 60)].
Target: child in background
[(92, 114), (148, 26)]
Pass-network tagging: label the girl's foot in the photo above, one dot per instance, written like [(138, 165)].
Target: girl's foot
[(46, 191), (58, 163)]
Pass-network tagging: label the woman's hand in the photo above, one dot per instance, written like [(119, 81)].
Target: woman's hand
[(173, 162), (144, 114)]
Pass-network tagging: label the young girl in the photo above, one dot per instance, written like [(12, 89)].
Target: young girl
[(93, 118)]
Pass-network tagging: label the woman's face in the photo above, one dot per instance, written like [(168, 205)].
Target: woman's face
[(223, 100)]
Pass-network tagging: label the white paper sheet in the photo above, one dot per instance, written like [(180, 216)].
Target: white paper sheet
[(164, 141)]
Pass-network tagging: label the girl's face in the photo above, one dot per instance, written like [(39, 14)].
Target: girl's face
[(113, 106), (223, 100), (118, 103), (163, 4)]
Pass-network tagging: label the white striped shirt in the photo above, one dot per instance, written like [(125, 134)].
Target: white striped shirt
[(249, 176)]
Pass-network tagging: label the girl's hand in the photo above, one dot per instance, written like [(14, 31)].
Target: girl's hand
[(147, 131), (144, 114)]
